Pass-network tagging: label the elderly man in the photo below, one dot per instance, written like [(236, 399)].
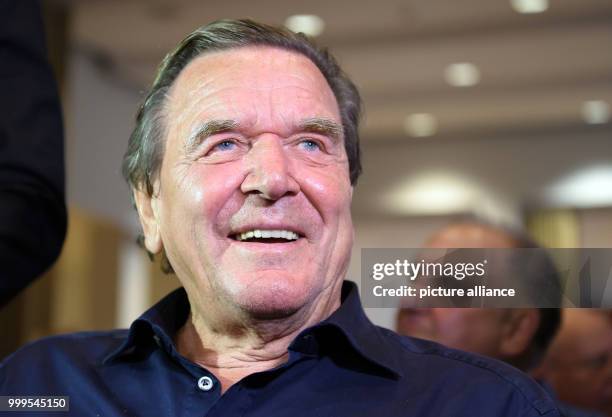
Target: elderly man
[(243, 163)]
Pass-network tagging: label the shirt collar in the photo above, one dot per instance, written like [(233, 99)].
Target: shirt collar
[(162, 321), (366, 338), (159, 324)]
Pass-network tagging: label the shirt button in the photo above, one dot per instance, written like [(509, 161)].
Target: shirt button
[(205, 383)]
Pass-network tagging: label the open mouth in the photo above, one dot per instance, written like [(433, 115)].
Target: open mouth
[(266, 236)]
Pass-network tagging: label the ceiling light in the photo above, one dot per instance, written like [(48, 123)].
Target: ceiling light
[(462, 74), (529, 6), (308, 24), (420, 125), (595, 112), (588, 187), (432, 193)]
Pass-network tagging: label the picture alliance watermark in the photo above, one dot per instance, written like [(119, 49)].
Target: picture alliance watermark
[(517, 277)]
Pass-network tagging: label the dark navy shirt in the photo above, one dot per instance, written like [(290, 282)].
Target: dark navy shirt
[(344, 366)]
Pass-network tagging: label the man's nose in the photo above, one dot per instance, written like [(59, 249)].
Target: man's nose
[(269, 168)]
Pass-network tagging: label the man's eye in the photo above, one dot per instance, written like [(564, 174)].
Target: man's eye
[(226, 145), (310, 145)]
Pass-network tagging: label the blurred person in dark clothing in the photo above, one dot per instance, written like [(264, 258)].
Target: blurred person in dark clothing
[(518, 336), (32, 207)]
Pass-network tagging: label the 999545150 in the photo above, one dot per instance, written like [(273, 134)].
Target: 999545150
[(34, 403)]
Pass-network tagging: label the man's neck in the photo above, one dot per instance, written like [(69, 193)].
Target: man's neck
[(233, 347)]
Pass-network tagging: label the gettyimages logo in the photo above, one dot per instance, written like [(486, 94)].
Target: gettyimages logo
[(413, 270)]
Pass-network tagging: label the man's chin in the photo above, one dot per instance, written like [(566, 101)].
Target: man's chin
[(272, 302), (272, 305), (271, 294)]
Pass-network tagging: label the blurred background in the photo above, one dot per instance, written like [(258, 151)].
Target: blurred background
[(496, 109)]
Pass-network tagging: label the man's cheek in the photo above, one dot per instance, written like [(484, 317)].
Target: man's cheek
[(331, 195), (199, 195)]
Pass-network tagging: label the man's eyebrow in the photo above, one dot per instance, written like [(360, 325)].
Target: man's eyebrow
[(322, 126), (206, 129)]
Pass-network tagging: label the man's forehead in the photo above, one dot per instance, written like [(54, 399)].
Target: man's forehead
[(249, 66), (245, 80)]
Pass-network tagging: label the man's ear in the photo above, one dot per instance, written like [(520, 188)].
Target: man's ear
[(519, 330), (145, 204)]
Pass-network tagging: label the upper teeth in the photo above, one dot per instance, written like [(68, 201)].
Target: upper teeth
[(257, 233)]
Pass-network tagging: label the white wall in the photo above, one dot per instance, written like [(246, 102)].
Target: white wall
[(596, 228), (99, 119)]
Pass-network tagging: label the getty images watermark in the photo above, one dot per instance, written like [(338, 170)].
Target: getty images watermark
[(531, 277)]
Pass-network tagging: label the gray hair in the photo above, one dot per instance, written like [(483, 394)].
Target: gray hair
[(142, 160)]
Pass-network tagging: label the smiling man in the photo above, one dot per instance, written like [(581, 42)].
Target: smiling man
[(251, 205), (242, 166)]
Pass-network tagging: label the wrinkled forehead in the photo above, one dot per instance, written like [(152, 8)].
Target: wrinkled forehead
[(262, 77)]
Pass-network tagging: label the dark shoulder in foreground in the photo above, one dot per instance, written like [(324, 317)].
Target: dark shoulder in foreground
[(465, 380)]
